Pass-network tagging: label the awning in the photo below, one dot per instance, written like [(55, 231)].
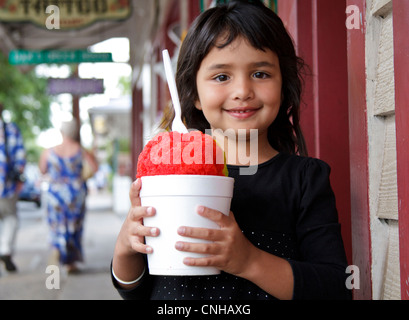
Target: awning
[(139, 27)]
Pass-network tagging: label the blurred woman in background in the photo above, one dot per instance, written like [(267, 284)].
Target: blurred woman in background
[(66, 194)]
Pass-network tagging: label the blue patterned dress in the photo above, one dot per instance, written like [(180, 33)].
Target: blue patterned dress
[(66, 205)]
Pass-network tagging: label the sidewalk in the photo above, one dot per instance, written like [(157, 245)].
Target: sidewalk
[(93, 282)]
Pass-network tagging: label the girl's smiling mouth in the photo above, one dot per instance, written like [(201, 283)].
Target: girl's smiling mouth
[(242, 112)]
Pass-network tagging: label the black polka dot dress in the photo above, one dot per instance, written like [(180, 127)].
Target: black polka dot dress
[(287, 208)]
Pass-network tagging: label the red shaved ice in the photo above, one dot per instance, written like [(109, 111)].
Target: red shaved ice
[(175, 153)]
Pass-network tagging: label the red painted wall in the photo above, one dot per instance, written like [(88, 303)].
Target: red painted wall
[(361, 243), (318, 29), (401, 46)]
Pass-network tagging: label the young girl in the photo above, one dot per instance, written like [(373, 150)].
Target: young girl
[(238, 70)]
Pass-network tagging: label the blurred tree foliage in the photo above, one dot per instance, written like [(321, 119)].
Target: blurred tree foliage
[(25, 99), (124, 85)]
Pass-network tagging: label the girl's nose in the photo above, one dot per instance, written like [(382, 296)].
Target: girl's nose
[(243, 89)]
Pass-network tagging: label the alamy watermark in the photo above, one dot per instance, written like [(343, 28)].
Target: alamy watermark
[(53, 281), (353, 280), (53, 20), (242, 146), (354, 19)]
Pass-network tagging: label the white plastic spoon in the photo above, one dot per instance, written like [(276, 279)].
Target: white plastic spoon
[(177, 124)]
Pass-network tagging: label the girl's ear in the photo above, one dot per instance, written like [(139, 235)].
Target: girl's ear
[(198, 105)]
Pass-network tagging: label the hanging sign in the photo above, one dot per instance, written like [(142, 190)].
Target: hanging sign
[(18, 57), (63, 14), (75, 85)]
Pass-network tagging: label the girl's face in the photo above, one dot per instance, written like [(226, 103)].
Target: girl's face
[(239, 87)]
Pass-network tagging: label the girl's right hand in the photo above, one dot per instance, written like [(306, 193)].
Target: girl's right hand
[(131, 238)]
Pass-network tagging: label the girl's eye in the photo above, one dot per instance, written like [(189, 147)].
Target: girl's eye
[(221, 78), (260, 75)]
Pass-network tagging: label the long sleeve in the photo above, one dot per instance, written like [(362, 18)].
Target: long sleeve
[(320, 273), (140, 292), (14, 158), (18, 153)]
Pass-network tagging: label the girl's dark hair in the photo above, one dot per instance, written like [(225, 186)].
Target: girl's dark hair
[(264, 30)]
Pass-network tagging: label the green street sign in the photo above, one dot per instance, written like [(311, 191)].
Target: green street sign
[(20, 57)]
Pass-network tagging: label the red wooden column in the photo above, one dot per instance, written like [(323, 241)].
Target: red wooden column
[(401, 46), (330, 89), (194, 11), (318, 30), (136, 127), (361, 241)]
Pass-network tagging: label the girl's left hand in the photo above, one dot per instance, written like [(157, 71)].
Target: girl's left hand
[(229, 250)]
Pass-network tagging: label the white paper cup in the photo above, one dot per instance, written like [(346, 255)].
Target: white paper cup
[(175, 198)]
